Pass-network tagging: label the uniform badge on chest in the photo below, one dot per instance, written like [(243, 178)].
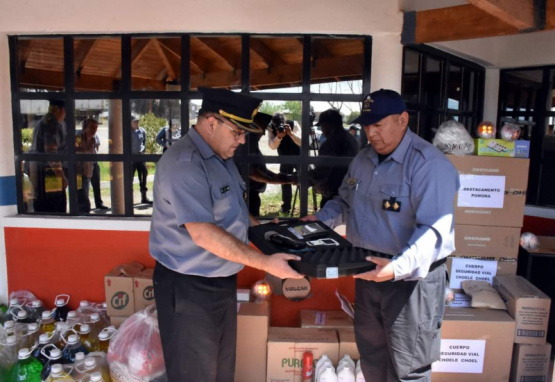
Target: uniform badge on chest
[(391, 204), (224, 189)]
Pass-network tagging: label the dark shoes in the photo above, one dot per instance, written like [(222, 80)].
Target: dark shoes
[(102, 207), (146, 201)]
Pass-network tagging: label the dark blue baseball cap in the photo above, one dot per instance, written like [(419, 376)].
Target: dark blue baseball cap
[(378, 105)]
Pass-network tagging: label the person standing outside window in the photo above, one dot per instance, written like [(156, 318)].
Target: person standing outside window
[(397, 198), (286, 139), (138, 146), (85, 144)]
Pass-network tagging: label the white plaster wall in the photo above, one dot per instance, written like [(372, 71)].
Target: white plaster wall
[(530, 49), (387, 62), (255, 16)]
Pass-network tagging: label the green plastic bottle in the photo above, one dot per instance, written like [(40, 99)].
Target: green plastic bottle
[(27, 368)]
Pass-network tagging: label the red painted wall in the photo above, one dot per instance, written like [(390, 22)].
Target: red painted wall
[(49, 262)]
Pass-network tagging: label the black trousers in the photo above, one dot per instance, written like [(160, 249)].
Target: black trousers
[(95, 183), (142, 173), (286, 189), (397, 327), (198, 325)]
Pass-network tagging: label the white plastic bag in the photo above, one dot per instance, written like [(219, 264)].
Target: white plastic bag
[(452, 138), (135, 352)]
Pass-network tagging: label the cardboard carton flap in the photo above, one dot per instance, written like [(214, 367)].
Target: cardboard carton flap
[(126, 270), (518, 287), (302, 335)]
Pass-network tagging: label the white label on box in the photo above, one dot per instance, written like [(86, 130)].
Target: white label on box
[(461, 301), (471, 269), (482, 191), (332, 272), (461, 356)]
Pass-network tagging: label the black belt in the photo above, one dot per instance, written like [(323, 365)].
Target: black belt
[(437, 264)]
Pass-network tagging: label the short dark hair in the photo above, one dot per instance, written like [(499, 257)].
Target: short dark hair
[(331, 117)]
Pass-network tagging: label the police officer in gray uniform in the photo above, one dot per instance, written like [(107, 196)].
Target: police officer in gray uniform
[(198, 237), (397, 198)]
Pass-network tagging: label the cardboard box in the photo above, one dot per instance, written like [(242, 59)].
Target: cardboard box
[(287, 345), (530, 362), (502, 148), (474, 346), (118, 286), (253, 321), (487, 242), (528, 305), (492, 192), (347, 343), (143, 290), (335, 319), (463, 268)]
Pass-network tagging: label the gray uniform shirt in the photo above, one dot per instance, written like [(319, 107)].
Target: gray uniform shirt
[(403, 206), (138, 140), (193, 184)]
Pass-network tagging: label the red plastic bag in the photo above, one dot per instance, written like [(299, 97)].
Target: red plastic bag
[(136, 349)]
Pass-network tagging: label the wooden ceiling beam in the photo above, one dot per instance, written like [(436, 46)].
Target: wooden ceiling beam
[(270, 57), (171, 71), (173, 46), (231, 59), (137, 51), (83, 53), (453, 23), (466, 22), (326, 70), (517, 13)]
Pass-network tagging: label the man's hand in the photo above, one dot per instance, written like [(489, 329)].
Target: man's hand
[(276, 264), (383, 271), (282, 134), (309, 218)]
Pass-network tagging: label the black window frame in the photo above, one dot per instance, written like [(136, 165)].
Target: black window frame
[(428, 117), (541, 113), (125, 94)]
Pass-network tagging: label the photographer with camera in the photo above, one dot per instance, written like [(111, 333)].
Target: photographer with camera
[(285, 137)]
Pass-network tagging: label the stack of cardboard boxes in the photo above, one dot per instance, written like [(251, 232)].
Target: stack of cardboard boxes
[(489, 211), (529, 307), (321, 332), (128, 289)]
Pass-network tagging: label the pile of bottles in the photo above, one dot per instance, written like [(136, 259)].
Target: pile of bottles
[(346, 370), (37, 344)]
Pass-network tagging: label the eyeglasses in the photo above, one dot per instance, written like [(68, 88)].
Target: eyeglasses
[(236, 134)]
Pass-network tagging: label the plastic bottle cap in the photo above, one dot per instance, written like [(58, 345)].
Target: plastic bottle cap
[(79, 356), (9, 324), (43, 338), (84, 304), (23, 353), (55, 353), (36, 304), (14, 301), (11, 340), (60, 302), (22, 314), (90, 362), (103, 336), (85, 328), (56, 368), (72, 339), (96, 376), (46, 314), (72, 314), (33, 327), (95, 317)]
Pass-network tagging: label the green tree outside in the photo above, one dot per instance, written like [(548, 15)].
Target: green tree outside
[(152, 125)]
